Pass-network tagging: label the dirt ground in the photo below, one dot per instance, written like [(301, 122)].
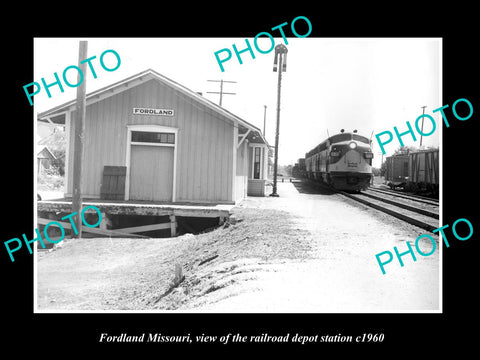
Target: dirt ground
[(306, 251)]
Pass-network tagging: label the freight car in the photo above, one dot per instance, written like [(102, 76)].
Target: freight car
[(396, 171), (423, 171), (298, 170), (343, 161), (415, 172)]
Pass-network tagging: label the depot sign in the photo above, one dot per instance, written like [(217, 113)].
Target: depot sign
[(158, 112)]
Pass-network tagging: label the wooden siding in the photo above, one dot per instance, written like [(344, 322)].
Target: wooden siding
[(256, 187), (204, 143), (151, 172), (242, 172)]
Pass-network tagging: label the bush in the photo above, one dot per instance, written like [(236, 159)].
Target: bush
[(50, 180), (59, 162)]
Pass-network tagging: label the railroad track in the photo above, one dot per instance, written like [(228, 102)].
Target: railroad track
[(419, 198), (421, 212)]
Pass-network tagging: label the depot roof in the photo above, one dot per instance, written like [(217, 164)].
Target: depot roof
[(54, 115)]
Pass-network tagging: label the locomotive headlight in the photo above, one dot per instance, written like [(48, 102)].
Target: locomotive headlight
[(368, 155), (352, 145)]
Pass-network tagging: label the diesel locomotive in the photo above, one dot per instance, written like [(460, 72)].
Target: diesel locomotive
[(343, 161)]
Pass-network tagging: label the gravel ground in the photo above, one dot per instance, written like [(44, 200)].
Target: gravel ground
[(134, 274), (341, 274), (306, 251)]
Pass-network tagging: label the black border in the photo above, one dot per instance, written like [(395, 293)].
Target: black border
[(404, 333)]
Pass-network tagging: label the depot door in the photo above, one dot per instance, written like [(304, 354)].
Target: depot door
[(151, 173)]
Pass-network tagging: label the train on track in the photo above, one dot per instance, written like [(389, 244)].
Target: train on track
[(416, 171), (343, 161)]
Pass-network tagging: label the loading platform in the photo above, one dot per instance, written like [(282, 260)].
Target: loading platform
[(129, 218)]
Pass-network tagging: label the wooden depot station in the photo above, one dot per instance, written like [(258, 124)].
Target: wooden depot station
[(154, 148)]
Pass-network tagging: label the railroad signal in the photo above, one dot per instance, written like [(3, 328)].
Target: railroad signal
[(280, 60), (280, 53)]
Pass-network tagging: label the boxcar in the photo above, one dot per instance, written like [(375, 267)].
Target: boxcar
[(417, 171), (397, 170), (423, 171)]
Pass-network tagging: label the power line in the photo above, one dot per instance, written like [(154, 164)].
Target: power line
[(221, 89)]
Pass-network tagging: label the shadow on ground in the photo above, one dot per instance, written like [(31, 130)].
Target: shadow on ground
[(305, 187)]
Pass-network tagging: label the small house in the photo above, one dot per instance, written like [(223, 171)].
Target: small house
[(148, 138), (44, 159)]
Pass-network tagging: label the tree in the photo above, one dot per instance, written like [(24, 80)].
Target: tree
[(288, 170), (405, 150), (383, 168), (376, 171), (59, 162)]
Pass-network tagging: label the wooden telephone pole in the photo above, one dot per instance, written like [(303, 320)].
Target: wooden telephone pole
[(421, 136), (77, 198)]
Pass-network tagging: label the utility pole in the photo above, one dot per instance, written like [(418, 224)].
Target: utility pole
[(221, 89), (79, 140), (280, 58), (421, 136), (264, 119)]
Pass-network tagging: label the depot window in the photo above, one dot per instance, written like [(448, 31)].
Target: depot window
[(153, 137), (256, 163)]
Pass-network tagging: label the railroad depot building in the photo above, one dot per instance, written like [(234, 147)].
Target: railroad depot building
[(150, 139)]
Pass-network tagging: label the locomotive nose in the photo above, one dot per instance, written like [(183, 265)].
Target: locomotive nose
[(352, 158)]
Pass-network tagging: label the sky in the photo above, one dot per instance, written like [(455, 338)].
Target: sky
[(367, 84)]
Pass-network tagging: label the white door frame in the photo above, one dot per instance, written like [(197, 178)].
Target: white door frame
[(263, 160), (150, 128)]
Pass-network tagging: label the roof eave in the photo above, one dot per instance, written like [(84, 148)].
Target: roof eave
[(69, 106)]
